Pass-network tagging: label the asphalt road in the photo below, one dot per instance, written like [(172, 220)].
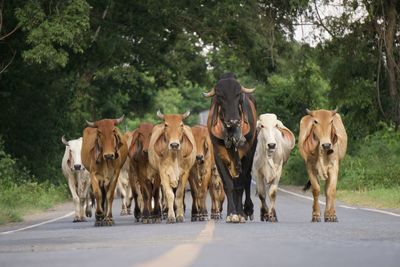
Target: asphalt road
[(361, 238)]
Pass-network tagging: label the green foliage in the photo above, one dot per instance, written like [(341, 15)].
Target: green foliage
[(50, 35), (20, 194)]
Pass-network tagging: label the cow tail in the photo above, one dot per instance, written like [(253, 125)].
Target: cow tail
[(307, 186)]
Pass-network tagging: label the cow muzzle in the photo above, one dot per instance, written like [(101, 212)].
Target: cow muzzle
[(174, 146), (77, 167), (232, 123), (200, 159), (109, 156)]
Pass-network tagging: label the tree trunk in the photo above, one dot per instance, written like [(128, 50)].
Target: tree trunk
[(390, 25)]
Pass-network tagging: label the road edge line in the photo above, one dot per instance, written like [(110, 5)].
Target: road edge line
[(38, 224)]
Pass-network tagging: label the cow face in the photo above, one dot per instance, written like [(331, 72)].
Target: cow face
[(141, 139), (323, 130), (200, 136), (268, 130), (108, 141), (173, 129), (229, 108), (74, 147)]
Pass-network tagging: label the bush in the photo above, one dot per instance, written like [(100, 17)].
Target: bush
[(20, 193)]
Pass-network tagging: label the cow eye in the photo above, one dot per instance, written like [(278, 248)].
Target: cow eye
[(262, 126), (315, 121), (166, 125)]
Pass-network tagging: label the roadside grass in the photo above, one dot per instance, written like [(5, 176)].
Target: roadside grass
[(375, 198), (19, 200)]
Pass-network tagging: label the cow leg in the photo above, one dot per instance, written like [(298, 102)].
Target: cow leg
[(273, 189), (157, 199), (180, 195), (123, 199), (330, 192), (316, 213), (129, 200), (90, 202), (238, 195), (169, 197), (108, 220), (262, 195), (99, 215), (231, 213), (72, 184), (146, 195), (193, 193), (204, 189), (247, 165)]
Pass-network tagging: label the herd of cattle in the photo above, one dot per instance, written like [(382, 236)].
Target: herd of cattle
[(152, 164)]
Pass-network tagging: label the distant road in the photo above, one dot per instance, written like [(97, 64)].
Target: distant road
[(361, 238)]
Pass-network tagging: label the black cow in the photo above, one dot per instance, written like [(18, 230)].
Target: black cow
[(232, 127)]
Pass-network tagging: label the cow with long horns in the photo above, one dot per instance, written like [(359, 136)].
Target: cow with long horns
[(322, 144), (232, 127), (104, 151)]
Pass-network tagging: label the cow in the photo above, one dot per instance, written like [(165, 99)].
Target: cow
[(274, 144), (201, 172), (148, 182), (217, 194), (232, 127), (322, 145), (125, 190), (78, 179), (172, 153), (104, 151)]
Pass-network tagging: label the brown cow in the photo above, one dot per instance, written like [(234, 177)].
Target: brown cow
[(200, 174), (172, 152), (104, 152), (140, 170), (322, 144), (217, 194)]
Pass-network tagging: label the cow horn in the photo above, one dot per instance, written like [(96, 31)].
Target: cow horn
[(248, 90), (90, 124), (120, 119), (160, 115), (65, 142), (308, 111), (335, 111), (209, 94), (185, 115)]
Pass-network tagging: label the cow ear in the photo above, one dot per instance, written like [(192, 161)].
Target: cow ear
[(160, 145), (307, 144), (187, 146), (97, 151), (287, 135), (135, 145), (339, 135)]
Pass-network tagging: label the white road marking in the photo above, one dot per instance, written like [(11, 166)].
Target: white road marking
[(341, 206), (185, 254), (38, 224)]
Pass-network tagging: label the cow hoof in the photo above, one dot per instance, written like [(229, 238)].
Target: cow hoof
[(194, 218), (76, 219), (242, 219), (157, 220), (108, 222), (252, 217), (180, 219), (89, 213), (316, 219), (171, 220), (98, 223), (129, 211), (83, 219), (331, 219), (273, 219), (123, 213), (145, 221)]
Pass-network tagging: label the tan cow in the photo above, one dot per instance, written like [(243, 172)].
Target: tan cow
[(141, 173), (217, 194), (200, 174), (322, 144), (78, 179), (172, 152), (125, 190), (104, 151)]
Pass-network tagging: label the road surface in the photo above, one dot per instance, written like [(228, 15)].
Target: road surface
[(361, 238)]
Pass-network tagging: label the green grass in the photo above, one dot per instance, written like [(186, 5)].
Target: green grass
[(376, 198), (19, 200)]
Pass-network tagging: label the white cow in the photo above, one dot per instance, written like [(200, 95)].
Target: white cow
[(275, 142), (124, 188), (78, 179)]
